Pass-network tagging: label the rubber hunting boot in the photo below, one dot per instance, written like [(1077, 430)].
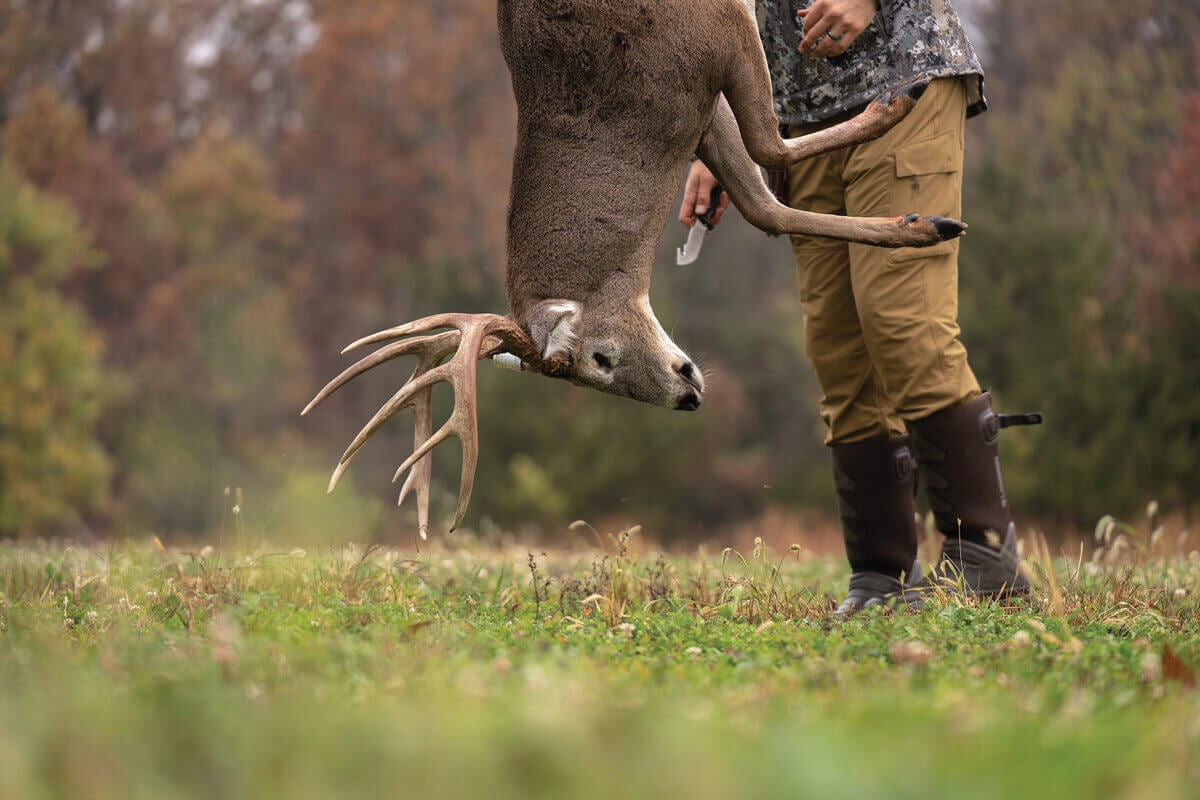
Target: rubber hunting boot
[(875, 482), (959, 453)]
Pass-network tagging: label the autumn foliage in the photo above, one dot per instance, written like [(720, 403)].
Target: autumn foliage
[(202, 201)]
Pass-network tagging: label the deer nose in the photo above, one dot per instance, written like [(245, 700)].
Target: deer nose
[(687, 370), (689, 402)]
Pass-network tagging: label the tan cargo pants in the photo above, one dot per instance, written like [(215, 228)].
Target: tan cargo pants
[(881, 325)]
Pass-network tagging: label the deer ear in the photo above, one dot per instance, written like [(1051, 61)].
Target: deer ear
[(552, 326)]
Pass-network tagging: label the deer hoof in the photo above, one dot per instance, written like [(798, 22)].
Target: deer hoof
[(926, 231), (947, 228), (906, 93), (914, 89)]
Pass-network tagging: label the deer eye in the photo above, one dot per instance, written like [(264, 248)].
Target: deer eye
[(602, 361)]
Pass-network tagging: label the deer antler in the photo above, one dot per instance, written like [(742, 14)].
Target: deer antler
[(475, 336)]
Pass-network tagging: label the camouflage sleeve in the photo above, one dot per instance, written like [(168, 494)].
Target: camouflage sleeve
[(907, 39)]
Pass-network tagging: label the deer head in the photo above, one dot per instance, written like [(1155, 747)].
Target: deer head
[(614, 344)]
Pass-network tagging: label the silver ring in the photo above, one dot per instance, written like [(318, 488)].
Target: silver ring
[(833, 36)]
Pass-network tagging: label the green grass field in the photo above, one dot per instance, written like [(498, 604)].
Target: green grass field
[(138, 672)]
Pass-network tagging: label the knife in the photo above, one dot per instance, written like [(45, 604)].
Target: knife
[(703, 224)]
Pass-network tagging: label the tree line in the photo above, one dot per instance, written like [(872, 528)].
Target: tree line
[(202, 201)]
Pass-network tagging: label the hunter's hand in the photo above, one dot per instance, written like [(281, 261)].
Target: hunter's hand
[(696, 192), (831, 26)]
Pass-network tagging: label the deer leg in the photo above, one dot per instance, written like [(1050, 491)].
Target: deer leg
[(748, 89), (722, 151)]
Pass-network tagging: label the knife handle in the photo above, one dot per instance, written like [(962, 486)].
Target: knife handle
[(714, 202)]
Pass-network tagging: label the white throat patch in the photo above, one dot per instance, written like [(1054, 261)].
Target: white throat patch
[(563, 337)]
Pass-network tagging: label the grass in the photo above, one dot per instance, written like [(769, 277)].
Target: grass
[(139, 672)]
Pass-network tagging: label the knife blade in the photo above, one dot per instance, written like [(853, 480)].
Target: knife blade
[(703, 224)]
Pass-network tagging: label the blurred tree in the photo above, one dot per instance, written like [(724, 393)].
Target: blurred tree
[(402, 153), (268, 180), (47, 138), (1068, 202), (223, 371), (53, 471), (1161, 357)]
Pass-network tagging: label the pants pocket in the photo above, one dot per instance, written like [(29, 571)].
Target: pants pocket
[(928, 181)]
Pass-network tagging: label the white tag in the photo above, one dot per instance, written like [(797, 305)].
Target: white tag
[(508, 361)]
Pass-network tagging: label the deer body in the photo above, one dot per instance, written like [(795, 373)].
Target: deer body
[(613, 98), (593, 185)]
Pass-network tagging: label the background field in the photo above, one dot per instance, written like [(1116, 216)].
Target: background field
[(134, 672)]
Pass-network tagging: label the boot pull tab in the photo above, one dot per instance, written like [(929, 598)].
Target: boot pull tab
[(1011, 420), (904, 463)]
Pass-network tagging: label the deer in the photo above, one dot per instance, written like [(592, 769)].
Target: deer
[(613, 99)]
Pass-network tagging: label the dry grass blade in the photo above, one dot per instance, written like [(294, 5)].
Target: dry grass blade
[(1044, 572)]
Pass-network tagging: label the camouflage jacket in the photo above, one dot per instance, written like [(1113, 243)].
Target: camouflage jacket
[(907, 38)]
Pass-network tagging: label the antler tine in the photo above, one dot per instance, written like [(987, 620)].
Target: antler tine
[(467, 416), (443, 433), (421, 474), (441, 343), (424, 325), (398, 401), (470, 458), (430, 350)]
